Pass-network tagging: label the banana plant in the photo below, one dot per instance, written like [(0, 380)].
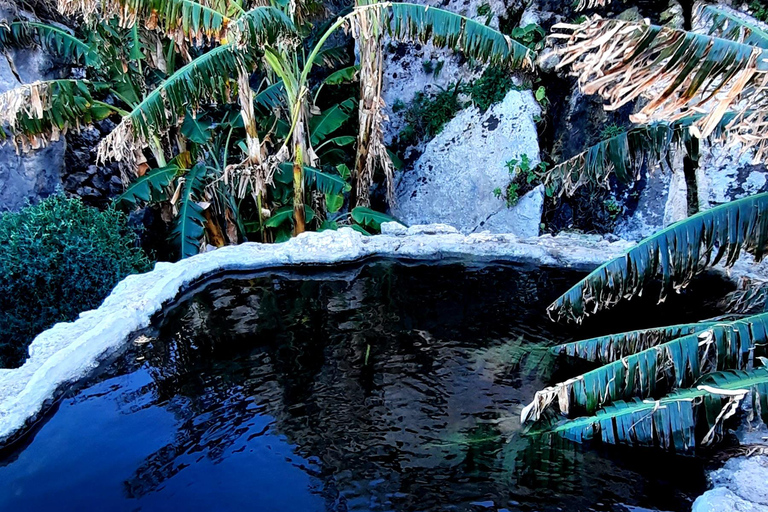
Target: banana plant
[(678, 253), (672, 422)]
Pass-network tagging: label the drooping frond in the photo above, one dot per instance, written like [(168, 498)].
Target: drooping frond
[(721, 22), (186, 19), (606, 349), (591, 4), (749, 297), (626, 152), (150, 187), (672, 365), (189, 225), (678, 252), (681, 73), (38, 113), (623, 154), (421, 23), (671, 423), (334, 56), (206, 78), (50, 38)]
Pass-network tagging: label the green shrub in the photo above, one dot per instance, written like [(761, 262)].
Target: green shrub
[(491, 87), (426, 115), (58, 258)]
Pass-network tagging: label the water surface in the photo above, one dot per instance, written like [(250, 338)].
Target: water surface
[(388, 387)]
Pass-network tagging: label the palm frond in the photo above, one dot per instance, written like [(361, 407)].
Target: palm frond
[(330, 120), (624, 154), (749, 297), (407, 21), (189, 225), (671, 423), (681, 73), (150, 187), (271, 97), (720, 22), (342, 75), (324, 182), (331, 57), (38, 113), (678, 252), (672, 365), (610, 348), (206, 78), (52, 39)]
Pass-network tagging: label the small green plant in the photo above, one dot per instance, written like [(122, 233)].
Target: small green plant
[(58, 258), (426, 115), (759, 10), (613, 208), (523, 177), (541, 96), (428, 66), (531, 35), (485, 10), (438, 68), (610, 131), (490, 88)]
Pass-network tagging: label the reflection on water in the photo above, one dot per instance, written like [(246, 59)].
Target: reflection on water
[(399, 389)]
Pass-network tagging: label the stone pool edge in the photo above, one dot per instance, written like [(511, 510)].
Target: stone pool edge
[(69, 351)]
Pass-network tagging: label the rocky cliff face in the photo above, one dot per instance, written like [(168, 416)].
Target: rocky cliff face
[(35, 175), (68, 164)]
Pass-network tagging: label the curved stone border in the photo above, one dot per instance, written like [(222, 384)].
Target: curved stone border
[(70, 351)]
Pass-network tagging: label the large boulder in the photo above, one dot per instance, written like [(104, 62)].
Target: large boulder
[(739, 486), (453, 181), (35, 175)]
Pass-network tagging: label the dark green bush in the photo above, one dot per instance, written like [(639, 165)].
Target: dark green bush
[(491, 87), (58, 258), (426, 115)]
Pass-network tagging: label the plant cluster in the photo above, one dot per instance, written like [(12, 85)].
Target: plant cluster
[(675, 386), (426, 115), (229, 118), (492, 86), (58, 258), (523, 178)]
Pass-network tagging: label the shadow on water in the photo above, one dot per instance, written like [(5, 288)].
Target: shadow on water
[(390, 387)]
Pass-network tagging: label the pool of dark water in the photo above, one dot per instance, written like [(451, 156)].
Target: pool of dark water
[(385, 387)]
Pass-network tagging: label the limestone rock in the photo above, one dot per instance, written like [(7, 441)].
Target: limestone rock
[(723, 500), (662, 200), (454, 180), (726, 174), (746, 477)]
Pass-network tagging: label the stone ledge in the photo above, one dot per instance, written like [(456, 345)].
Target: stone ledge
[(70, 351)]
